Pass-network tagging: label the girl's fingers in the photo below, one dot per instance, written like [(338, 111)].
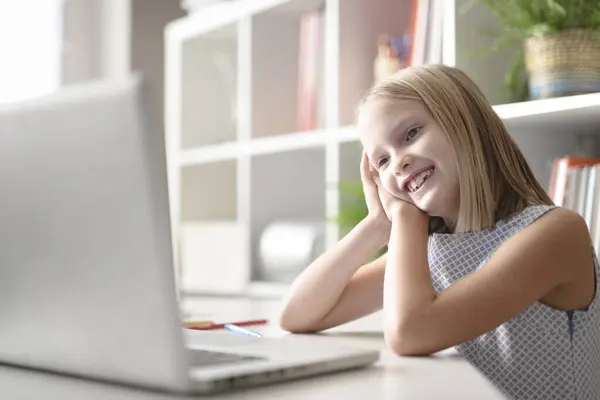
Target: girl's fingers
[(365, 170), (364, 165), (376, 179)]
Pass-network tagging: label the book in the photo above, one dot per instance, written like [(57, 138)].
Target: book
[(575, 184), (559, 182)]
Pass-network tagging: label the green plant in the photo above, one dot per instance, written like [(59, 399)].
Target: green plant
[(521, 19), (353, 207)]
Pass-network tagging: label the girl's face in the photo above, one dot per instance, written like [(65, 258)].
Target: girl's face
[(412, 156)]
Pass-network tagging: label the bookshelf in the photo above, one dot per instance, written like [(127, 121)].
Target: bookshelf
[(235, 154)]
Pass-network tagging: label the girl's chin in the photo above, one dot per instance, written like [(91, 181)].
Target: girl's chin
[(426, 205)]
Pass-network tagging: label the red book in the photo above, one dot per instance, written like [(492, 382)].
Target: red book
[(558, 177)]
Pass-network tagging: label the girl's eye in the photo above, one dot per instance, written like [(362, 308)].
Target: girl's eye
[(381, 162), (412, 133)]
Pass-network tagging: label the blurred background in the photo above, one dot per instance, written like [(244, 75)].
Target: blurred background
[(51, 43), (256, 102)]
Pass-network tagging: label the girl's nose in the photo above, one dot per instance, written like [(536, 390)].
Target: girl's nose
[(402, 164)]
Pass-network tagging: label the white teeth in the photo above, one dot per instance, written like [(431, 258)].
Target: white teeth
[(418, 180)]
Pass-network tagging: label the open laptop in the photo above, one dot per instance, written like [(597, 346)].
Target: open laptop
[(86, 268)]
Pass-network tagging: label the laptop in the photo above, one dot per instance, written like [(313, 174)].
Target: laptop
[(87, 283)]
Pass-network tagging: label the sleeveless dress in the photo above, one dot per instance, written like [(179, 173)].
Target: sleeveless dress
[(542, 353)]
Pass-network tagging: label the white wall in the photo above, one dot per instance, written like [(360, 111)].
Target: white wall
[(30, 44), (148, 19), (81, 40), (109, 38)]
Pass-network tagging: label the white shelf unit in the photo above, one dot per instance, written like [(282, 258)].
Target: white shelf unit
[(233, 150)]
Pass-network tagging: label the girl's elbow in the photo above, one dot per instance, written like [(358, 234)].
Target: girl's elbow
[(291, 327), (286, 322), (299, 329), (403, 343), (399, 346), (290, 324)]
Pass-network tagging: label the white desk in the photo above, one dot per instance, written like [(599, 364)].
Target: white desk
[(443, 376)]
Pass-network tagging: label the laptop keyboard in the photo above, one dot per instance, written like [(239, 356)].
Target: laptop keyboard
[(202, 358)]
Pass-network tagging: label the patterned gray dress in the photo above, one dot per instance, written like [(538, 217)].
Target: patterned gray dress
[(543, 353)]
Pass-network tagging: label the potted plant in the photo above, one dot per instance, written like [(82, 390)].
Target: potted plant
[(558, 42)]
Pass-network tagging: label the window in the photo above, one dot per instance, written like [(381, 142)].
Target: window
[(30, 45)]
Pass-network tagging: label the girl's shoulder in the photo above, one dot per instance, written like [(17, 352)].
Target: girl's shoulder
[(537, 226), (552, 240), (544, 225), (503, 228), (561, 219)]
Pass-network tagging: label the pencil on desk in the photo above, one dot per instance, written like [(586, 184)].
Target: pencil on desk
[(189, 324), (222, 326)]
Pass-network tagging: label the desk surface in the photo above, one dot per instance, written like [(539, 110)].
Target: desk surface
[(442, 376)]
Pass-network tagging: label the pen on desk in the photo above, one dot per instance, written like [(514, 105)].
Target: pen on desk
[(237, 329), (222, 325)]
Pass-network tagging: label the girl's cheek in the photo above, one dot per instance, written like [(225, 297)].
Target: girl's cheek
[(391, 185), (386, 181)]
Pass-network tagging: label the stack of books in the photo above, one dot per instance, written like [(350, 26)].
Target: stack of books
[(575, 184)]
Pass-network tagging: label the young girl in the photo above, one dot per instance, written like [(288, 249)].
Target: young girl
[(478, 256)]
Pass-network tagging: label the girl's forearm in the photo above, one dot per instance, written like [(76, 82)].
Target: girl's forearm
[(317, 289), (408, 288)]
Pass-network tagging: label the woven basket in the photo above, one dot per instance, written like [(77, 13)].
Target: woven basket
[(564, 63)]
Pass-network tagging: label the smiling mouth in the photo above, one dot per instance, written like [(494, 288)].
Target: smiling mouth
[(419, 180)]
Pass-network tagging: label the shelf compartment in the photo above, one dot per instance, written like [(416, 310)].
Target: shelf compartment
[(209, 192), (275, 68), (209, 88), (211, 236), (360, 25), (293, 196)]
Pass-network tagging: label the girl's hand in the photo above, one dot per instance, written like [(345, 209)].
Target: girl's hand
[(380, 203), (391, 204), (371, 190), (398, 209)]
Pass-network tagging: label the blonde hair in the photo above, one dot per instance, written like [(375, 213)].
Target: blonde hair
[(494, 178)]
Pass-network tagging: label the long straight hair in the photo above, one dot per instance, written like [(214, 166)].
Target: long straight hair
[(494, 178)]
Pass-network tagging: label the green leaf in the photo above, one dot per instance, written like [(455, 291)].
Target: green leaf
[(540, 30), (555, 7), (520, 19), (353, 207), (515, 79)]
